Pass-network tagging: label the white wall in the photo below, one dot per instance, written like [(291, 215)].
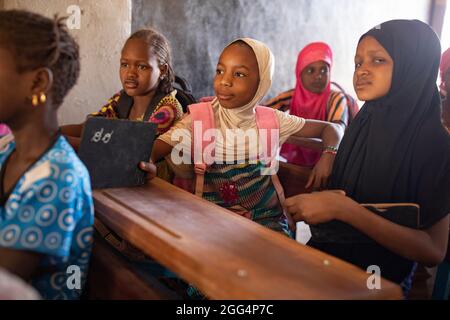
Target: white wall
[(105, 25)]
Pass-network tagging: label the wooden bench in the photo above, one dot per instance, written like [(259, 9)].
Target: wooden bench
[(225, 255), (112, 277)]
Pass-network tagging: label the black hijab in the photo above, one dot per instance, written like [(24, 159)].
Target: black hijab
[(396, 149)]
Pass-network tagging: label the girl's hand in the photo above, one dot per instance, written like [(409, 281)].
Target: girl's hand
[(148, 167), (318, 207), (318, 178)]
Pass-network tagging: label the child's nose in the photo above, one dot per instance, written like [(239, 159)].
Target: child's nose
[(362, 71), (132, 72), (226, 81)]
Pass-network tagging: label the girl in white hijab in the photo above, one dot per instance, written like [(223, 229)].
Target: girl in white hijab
[(243, 77)]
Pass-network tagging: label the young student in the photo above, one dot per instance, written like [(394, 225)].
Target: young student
[(148, 95), (312, 98), (243, 77), (395, 152), (46, 209), (445, 88)]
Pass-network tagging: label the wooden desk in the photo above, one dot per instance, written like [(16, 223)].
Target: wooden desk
[(224, 255)]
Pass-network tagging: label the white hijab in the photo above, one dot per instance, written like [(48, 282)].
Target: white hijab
[(244, 117)]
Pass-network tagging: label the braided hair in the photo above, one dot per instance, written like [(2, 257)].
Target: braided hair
[(160, 47), (40, 42)]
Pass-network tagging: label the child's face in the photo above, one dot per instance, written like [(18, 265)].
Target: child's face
[(373, 70), (139, 69), (237, 76), (315, 76), (15, 88)]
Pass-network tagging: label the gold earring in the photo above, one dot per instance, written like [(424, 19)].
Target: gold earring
[(34, 100), (42, 98)]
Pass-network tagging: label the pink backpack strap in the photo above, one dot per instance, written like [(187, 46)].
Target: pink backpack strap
[(267, 120), (202, 116)]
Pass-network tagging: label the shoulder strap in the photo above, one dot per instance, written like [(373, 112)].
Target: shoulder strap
[(266, 121), (125, 104), (202, 116), (153, 104)]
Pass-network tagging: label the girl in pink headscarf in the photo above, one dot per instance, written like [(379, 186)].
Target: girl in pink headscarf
[(312, 98), (445, 88)]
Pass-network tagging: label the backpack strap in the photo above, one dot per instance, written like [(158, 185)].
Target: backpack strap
[(266, 121), (202, 119), (125, 104)]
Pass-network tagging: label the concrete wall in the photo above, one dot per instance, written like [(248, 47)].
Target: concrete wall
[(105, 25), (198, 31)]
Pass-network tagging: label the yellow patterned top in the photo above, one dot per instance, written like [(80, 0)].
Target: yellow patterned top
[(167, 112)]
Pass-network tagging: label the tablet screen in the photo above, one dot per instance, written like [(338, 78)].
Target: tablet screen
[(111, 149)]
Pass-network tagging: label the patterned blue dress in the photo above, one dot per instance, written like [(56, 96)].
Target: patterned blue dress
[(50, 211)]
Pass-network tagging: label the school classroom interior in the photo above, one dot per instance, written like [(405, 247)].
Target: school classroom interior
[(199, 244)]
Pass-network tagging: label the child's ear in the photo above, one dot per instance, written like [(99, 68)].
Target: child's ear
[(42, 80), (164, 68)]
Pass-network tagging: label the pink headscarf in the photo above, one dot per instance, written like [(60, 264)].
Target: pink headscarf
[(445, 64), (307, 104)]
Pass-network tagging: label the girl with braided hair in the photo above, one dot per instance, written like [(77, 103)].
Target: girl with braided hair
[(46, 209)]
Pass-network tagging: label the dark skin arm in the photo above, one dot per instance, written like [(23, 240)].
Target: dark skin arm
[(331, 135), (21, 263), (425, 246), (328, 132)]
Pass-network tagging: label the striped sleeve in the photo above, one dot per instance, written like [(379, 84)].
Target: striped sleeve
[(281, 102), (337, 109)]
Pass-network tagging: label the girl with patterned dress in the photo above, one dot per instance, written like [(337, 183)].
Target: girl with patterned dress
[(148, 95), (243, 77), (46, 208)]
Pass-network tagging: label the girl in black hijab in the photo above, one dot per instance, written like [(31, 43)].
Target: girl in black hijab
[(395, 151)]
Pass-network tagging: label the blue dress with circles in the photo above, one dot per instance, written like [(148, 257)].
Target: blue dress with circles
[(50, 211)]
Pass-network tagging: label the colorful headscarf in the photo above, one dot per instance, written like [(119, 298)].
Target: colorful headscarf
[(307, 104)]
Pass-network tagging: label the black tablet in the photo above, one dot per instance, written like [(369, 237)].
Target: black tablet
[(111, 149)]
